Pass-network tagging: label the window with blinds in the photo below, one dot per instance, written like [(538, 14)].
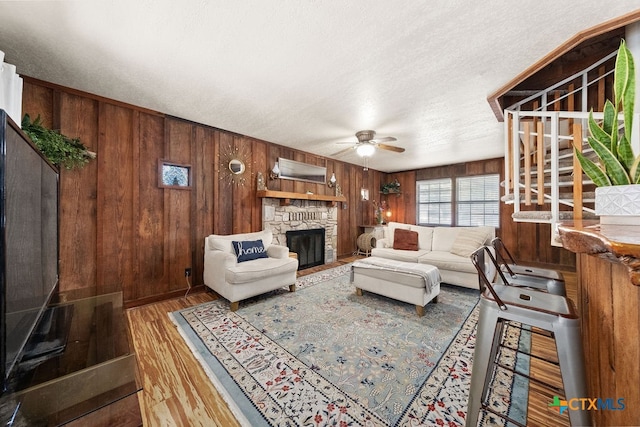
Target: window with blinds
[(476, 201), (434, 201)]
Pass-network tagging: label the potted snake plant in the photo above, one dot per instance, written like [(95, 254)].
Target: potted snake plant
[(617, 173)]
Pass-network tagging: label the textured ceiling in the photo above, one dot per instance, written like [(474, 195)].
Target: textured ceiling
[(305, 74)]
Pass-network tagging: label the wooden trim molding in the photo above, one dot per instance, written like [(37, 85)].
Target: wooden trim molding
[(77, 92), (574, 41)]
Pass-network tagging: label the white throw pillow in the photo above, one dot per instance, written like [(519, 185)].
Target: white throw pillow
[(467, 241), (443, 238)]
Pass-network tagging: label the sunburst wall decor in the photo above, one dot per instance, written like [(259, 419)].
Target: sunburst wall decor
[(233, 168)]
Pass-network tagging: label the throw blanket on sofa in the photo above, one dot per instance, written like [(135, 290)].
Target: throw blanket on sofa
[(429, 273)]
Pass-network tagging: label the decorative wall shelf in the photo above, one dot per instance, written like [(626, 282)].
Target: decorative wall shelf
[(286, 197)]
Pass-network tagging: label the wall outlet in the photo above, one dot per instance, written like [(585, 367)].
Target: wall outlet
[(187, 272)]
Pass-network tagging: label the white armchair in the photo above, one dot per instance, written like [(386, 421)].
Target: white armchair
[(237, 281)]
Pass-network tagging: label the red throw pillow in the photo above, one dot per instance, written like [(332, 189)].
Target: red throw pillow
[(405, 239)]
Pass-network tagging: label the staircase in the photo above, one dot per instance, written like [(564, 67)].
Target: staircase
[(543, 180)]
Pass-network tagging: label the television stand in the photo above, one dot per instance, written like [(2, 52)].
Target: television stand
[(88, 378)]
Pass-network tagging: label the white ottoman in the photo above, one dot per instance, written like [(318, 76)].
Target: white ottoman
[(409, 282)]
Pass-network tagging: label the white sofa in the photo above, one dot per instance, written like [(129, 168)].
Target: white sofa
[(237, 281), (447, 248)]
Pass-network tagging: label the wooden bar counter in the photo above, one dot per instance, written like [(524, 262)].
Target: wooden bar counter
[(608, 276)]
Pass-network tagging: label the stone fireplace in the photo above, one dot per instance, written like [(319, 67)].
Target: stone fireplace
[(301, 215)]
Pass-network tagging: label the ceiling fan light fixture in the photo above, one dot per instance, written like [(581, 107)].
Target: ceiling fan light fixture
[(365, 149)]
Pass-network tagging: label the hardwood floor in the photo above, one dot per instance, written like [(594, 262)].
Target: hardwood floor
[(177, 392)]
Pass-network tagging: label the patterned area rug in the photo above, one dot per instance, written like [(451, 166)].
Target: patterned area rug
[(324, 356)]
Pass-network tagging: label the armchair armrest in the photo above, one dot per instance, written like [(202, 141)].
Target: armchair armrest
[(215, 263), (277, 251), (222, 259)]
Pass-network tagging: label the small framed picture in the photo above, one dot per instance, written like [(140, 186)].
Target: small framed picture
[(174, 175), (364, 194)]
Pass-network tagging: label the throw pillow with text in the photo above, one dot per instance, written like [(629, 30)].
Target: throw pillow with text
[(249, 250)]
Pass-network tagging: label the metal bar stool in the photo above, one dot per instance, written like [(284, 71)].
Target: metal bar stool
[(555, 314), (524, 276)]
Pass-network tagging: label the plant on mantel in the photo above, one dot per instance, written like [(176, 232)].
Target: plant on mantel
[(61, 150), (618, 173)]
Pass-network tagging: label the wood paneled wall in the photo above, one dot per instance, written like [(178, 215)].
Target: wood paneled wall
[(119, 231), (402, 205)]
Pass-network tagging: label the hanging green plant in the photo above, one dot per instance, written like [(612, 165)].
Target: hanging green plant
[(61, 150), (391, 187)]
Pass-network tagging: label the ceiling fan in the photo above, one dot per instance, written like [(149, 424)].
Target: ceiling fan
[(367, 144)]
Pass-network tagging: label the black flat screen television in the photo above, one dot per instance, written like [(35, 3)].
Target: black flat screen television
[(28, 241)]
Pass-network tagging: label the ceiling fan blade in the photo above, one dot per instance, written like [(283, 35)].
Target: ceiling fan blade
[(342, 151), (385, 139), (390, 148)]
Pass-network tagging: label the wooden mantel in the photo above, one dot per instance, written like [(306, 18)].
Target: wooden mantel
[(286, 197), (608, 279)]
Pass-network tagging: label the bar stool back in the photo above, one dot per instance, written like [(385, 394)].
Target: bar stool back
[(523, 276), (508, 263), (555, 314)]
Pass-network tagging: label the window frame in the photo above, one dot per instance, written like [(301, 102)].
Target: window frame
[(418, 203), (478, 202), (454, 198)]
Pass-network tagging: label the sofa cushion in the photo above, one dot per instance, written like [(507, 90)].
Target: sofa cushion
[(258, 269), (443, 238), (448, 261), (468, 240), (248, 250), (425, 235), (405, 240), (398, 254)]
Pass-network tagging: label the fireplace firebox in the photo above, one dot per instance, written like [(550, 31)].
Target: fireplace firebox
[(308, 245)]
